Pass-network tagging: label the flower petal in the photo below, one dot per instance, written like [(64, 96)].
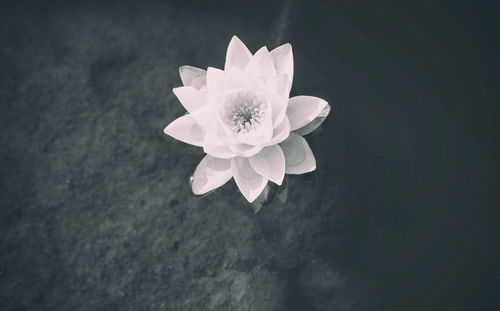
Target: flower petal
[(248, 181), (205, 117), (277, 85), (283, 62), (280, 133), (299, 158), (192, 76), (270, 163), (303, 109), (214, 99), (261, 64), (239, 79), (314, 124), (244, 150), (215, 79), (237, 54), (190, 97), (186, 130), (211, 173), (216, 147), (279, 107)]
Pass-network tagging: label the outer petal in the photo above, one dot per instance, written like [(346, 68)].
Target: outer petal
[(192, 76), (278, 85), (261, 64), (205, 117), (270, 163), (216, 147), (299, 158), (215, 79), (186, 130), (314, 124), (210, 174), (279, 106), (303, 109), (283, 61), (248, 181), (190, 97), (244, 150), (280, 133), (237, 54)]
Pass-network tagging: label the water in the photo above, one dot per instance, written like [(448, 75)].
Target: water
[(401, 213)]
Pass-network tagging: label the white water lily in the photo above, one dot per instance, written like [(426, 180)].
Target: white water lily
[(245, 121)]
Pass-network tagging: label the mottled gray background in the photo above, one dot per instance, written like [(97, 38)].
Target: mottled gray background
[(96, 211)]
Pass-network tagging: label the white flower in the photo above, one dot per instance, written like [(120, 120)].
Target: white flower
[(245, 121)]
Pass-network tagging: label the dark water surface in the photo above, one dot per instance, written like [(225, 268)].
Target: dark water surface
[(401, 214)]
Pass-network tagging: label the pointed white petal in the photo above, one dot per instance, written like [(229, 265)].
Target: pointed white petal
[(186, 130), (217, 139), (261, 64), (299, 158), (237, 78), (221, 152), (191, 98), (244, 150), (277, 85), (280, 133), (314, 124), (204, 117), (211, 173), (270, 163), (303, 109), (283, 62), (192, 76), (248, 181), (215, 146), (279, 106), (237, 54), (215, 79), (215, 99)]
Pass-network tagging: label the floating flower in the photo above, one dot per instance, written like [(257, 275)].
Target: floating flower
[(245, 121)]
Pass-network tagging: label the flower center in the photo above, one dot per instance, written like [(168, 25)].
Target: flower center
[(244, 111)]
